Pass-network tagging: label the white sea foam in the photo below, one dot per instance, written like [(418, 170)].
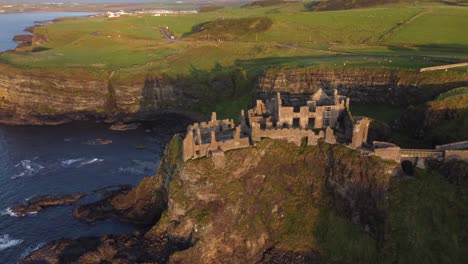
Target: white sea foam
[(9, 212), (90, 161), (28, 167), (6, 242), (70, 162)]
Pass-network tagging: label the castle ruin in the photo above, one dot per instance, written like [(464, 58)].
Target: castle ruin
[(271, 118), (319, 117)]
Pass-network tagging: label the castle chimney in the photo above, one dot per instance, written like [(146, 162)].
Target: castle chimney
[(213, 117)]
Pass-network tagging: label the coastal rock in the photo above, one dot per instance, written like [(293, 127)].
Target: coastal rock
[(48, 96), (36, 204), (99, 141), (122, 249), (363, 86), (120, 126), (141, 205), (239, 213), (23, 38), (137, 206), (245, 212)]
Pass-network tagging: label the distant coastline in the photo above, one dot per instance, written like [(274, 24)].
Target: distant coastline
[(100, 7), (16, 28)]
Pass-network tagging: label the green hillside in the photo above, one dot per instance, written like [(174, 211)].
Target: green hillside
[(403, 32)]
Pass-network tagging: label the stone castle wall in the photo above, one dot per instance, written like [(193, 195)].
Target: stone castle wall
[(193, 146), (294, 135), (456, 154), (453, 146)]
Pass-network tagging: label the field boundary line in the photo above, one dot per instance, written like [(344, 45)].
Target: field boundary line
[(398, 27)]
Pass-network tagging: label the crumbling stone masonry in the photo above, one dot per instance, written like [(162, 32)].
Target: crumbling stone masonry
[(308, 123), (360, 132), (270, 119), (197, 144), (321, 111)]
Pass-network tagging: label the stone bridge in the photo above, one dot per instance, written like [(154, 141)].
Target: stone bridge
[(419, 156)]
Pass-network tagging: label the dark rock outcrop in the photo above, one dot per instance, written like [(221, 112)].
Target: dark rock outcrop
[(122, 249), (141, 205), (23, 40), (39, 203)]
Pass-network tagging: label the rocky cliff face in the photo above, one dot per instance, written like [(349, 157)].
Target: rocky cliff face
[(40, 96), (34, 96), (280, 203), (27, 97), (370, 86), (266, 205)]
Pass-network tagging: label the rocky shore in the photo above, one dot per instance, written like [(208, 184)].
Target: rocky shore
[(23, 40), (39, 203), (203, 223)]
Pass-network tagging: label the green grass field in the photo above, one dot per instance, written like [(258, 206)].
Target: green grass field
[(405, 36)]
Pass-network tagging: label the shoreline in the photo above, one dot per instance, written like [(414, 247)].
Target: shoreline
[(25, 37)]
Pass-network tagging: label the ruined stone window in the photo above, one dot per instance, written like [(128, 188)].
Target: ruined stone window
[(328, 108), (326, 122), (296, 122), (327, 114), (311, 123)]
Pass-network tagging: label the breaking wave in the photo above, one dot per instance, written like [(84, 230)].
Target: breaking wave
[(7, 242), (90, 161), (28, 167), (9, 212), (69, 162)]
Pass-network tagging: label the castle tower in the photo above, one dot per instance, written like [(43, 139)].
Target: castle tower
[(188, 150), (360, 133), (237, 134)]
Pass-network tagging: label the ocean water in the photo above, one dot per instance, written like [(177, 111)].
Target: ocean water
[(66, 159), (14, 24)]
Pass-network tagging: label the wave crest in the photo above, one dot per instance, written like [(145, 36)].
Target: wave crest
[(6, 242)]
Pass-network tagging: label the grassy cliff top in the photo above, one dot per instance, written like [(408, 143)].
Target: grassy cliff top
[(402, 36)]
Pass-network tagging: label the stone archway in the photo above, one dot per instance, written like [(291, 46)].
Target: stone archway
[(407, 167)]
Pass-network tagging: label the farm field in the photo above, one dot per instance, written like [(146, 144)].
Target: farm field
[(394, 36)]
